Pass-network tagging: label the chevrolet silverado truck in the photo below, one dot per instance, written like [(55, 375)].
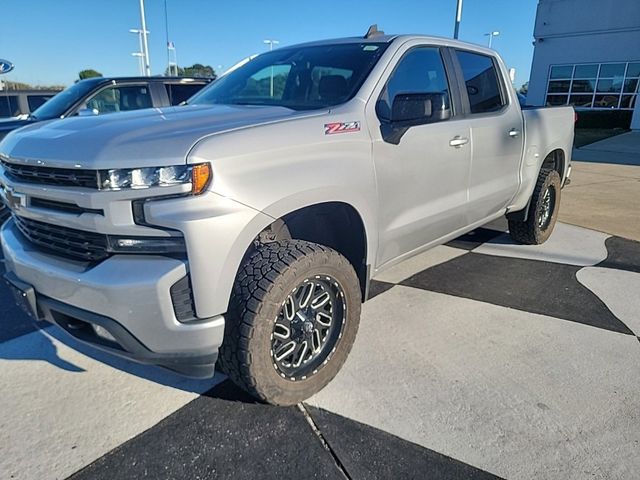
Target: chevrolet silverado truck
[(245, 227)]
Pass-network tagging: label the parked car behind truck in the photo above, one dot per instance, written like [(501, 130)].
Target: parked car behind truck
[(101, 95), (245, 226)]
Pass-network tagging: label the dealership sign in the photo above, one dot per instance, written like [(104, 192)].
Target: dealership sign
[(5, 66)]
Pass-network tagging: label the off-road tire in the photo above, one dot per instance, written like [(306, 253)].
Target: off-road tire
[(261, 287), (529, 232)]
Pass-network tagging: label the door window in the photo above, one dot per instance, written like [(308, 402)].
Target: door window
[(121, 99), (421, 70), (481, 79), (9, 106), (179, 92), (36, 101)]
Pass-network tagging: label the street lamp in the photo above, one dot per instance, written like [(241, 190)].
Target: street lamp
[(145, 45), (491, 35), (271, 43), (456, 27), (139, 53), (140, 56)]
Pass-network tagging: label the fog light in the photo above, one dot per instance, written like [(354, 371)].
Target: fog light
[(146, 244), (103, 333)]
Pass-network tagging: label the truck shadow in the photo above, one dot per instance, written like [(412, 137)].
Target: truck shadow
[(44, 343)]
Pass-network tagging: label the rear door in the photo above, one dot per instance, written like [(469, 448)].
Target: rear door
[(422, 177), (496, 127)]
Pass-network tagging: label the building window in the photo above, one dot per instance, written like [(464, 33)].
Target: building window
[(594, 85)]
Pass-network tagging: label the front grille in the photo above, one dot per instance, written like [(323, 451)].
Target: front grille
[(182, 299), (62, 206), (51, 176), (67, 242), (4, 213)]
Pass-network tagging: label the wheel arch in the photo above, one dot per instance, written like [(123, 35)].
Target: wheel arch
[(335, 224)]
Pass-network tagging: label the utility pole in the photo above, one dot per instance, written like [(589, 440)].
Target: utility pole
[(271, 43), (456, 29), (172, 60), (145, 45)]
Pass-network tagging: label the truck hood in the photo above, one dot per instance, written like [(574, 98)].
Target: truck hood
[(149, 137)]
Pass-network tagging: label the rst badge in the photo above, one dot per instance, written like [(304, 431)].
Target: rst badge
[(341, 127)]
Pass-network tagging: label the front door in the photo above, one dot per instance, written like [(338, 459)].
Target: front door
[(422, 180)]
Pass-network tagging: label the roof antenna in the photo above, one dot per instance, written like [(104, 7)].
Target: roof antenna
[(373, 31)]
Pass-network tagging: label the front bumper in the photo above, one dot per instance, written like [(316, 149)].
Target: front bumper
[(126, 295)]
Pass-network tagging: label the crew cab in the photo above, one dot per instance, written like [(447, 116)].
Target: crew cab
[(244, 227)]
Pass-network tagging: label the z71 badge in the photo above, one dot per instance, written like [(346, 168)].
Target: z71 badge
[(341, 127)]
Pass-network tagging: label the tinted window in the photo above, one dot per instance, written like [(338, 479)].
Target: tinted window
[(9, 106), (420, 71), (180, 92), (481, 79), (36, 101), (266, 84), (121, 99), (64, 100), (303, 77)]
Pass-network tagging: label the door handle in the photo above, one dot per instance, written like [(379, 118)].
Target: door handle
[(513, 133), (458, 141)]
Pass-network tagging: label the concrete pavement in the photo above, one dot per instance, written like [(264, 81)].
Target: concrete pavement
[(621, 149), (479, 359), (604, 197)]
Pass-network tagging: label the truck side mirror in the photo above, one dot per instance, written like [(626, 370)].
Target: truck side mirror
[(419, 108), (408, 110)]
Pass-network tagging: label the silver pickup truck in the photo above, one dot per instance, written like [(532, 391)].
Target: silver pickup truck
[(245, 226)]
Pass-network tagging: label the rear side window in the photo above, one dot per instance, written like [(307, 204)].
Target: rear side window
[(9, 106), (36, 101), (481, 79), (179, 92)]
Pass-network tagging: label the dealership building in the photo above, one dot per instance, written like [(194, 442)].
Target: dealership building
[(587, 54)]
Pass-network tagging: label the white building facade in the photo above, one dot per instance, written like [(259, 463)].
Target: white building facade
[(587, 54)]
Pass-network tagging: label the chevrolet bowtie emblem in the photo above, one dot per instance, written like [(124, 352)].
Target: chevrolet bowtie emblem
[(13, 199)]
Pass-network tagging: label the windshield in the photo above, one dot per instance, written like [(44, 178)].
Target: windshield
[(300, 78), (61, 102)]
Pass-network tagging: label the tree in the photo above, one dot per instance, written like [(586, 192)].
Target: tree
[(524, 88), (89, 73), (195, 70)]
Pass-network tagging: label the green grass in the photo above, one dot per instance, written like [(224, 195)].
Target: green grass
[(585, 136)]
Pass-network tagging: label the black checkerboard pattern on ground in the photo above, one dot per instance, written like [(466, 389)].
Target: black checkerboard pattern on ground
[(225, 434)]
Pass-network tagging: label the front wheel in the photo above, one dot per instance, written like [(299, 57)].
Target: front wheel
[(293, 318), (543, 211)]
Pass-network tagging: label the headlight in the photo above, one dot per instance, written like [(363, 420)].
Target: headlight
[(199, 176)]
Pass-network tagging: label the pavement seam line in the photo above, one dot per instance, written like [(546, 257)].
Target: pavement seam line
[(323, 441)]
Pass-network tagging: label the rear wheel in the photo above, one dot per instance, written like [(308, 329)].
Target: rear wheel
[(543, 211), (293, 318)]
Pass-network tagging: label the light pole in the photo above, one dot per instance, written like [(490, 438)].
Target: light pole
[(271, 43), (491, 35), (456, 28), (145, 45), (140, 61), (140, 52)]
